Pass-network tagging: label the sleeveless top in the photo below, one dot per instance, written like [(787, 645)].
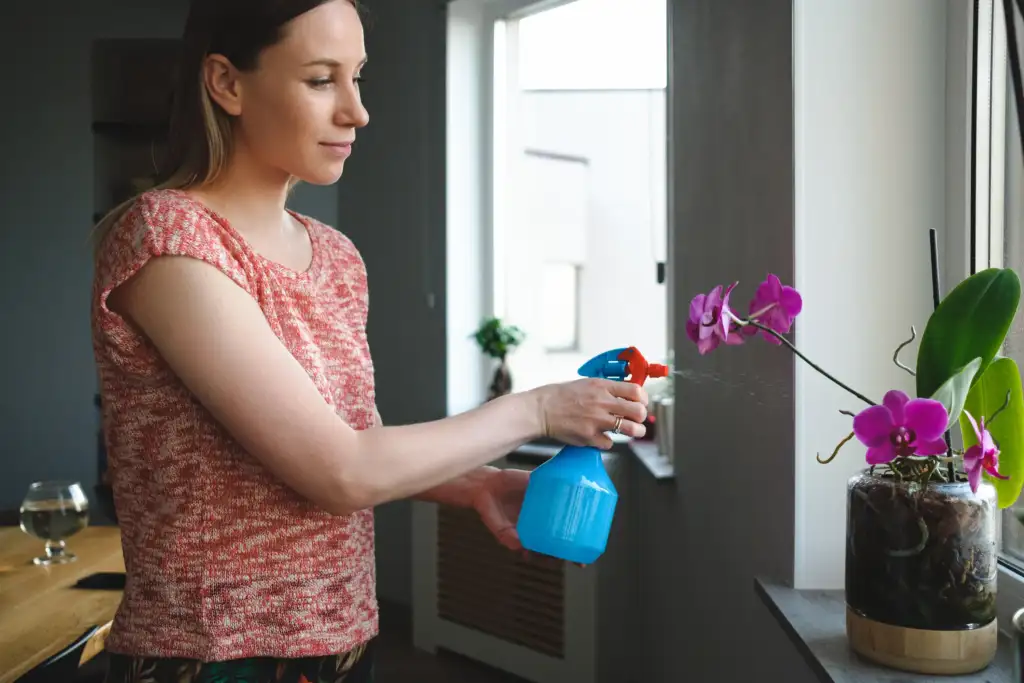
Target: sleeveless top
[(223, 560)]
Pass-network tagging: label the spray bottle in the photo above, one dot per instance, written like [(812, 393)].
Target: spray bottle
[(570, 501)]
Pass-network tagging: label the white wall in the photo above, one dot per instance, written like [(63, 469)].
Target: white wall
[(621, 137), (467, 242), (870, 123)]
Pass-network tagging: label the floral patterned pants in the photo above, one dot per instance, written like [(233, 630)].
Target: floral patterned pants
[(355, 666)]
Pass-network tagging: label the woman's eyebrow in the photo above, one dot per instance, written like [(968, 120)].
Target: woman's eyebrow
[(326, 61)]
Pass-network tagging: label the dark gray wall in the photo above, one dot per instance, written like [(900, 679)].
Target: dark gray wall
[(47, 418), (730, 516), (393, 208)]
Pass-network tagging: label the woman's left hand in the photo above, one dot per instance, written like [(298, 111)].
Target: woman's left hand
[(497, 497)]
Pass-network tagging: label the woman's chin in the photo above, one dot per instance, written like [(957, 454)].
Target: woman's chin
[(326, 175)]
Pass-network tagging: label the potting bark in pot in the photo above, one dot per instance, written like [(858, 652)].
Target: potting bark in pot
[(921, 556), (922, 518)]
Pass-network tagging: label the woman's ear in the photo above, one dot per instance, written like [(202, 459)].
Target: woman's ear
[(222, 82)]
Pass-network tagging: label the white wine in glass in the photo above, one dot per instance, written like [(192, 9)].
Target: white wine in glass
[(52, 511)]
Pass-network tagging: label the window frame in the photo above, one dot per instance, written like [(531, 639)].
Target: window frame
[(989, 144), (503, 144)]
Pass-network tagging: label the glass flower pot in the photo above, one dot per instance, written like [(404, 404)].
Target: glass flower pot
[(922, 558)]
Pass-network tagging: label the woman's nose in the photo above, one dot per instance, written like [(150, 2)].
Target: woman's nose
[(351, 111)]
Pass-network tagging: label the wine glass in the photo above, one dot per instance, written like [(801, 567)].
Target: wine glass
[(52, 511)]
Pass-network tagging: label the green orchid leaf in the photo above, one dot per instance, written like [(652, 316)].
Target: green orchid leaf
[(971, 322), (986, 397), (953, 392)]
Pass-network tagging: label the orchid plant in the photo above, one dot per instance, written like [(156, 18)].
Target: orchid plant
[(960, 378)]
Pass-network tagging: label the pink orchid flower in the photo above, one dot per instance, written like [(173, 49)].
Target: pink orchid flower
[(775, 306), (901, 427), (711, 320), (983, 455)]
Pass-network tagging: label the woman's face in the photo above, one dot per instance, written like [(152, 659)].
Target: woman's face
[(299, 109)]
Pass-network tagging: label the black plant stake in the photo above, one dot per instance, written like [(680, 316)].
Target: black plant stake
[(936, 296), (1015, 75)]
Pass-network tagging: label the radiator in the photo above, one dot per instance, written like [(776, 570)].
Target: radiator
[(538, 618)]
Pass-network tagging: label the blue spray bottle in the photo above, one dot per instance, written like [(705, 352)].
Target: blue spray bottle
[(570, 501)]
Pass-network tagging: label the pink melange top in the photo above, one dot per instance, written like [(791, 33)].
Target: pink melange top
[(224, 561)]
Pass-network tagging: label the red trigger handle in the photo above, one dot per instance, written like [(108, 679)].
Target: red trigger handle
[(639, 368)]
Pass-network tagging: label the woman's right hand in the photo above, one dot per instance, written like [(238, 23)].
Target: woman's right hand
[(581, 412)]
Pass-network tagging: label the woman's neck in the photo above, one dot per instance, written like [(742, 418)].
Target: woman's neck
[(247, 193)]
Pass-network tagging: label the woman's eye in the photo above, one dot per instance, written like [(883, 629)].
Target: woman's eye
[(320, 83)]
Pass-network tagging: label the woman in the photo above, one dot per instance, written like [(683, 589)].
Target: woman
[(237, 383)]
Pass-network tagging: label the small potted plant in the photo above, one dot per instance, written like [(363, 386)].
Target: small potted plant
[(922, 517), (497, 341)]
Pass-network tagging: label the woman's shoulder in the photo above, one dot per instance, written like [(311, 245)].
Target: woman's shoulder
[(169, 198), (162, 220), (327, 232), (165, 222), (169, 212), (339, 247)]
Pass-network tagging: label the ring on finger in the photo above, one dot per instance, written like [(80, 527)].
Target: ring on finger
[(617, 429)]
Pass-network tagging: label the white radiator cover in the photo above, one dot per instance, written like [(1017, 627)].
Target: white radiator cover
[(541, 619)]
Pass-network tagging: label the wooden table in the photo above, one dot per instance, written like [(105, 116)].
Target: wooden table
[(40, 612)]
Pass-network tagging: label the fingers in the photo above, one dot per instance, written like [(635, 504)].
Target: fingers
[(510, 539), (627, 391), (582, 413), (629, 401), (629, 410), (495, 519), (628, 428), (513, 480)]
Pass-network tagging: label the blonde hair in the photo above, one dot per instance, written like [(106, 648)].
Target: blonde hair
[(191, 171), (201, 133)]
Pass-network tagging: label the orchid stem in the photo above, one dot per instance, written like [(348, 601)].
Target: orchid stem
[(896, 355), (804, 358), (836, 451), (1000, 409)]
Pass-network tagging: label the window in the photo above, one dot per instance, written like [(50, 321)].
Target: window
[(545, 250), (579, 183), (998, 238), (560, 326), (566, 48)]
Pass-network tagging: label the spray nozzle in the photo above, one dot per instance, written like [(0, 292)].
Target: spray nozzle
[(624, 365)]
